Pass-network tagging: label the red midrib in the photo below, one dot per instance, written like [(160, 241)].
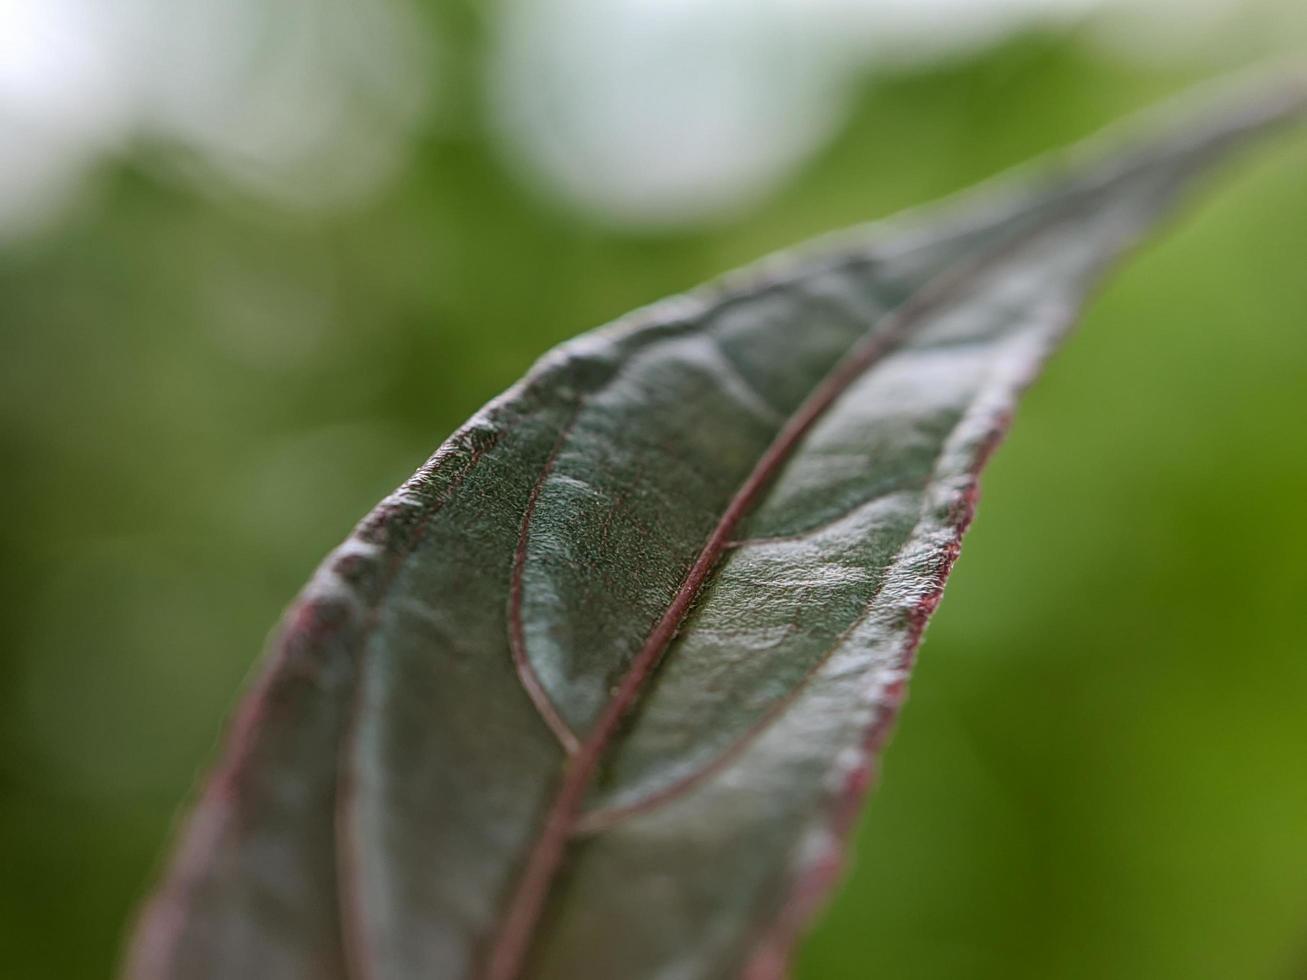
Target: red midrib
[(527, 900), (513, 940)]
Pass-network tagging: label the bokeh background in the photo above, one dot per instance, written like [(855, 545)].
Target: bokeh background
[(258, 257)]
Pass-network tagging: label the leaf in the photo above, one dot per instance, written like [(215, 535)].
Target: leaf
[(598, 691)]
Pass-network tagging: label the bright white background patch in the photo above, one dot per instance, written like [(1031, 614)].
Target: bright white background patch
[(638, 112)]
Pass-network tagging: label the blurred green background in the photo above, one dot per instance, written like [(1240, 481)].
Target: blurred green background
[(257, 259)]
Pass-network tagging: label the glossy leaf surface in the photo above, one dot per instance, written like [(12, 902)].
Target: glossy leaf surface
[(597, 692)]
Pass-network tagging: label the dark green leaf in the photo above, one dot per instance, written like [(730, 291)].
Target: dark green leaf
[(598, 691)]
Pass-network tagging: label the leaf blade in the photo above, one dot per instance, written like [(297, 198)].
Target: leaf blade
[(431, 840)]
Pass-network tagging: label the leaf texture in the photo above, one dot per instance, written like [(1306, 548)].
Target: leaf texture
[(598, 691)]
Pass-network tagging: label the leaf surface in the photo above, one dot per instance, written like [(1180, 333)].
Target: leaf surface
[(597, 692)]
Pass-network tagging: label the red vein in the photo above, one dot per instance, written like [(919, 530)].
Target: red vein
[(813, 882), (526, 671), (602, 818), (808, 533), (545, 857), (594, 821)]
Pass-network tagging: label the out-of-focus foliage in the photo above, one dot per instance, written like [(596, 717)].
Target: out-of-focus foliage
[(1099, 772)]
